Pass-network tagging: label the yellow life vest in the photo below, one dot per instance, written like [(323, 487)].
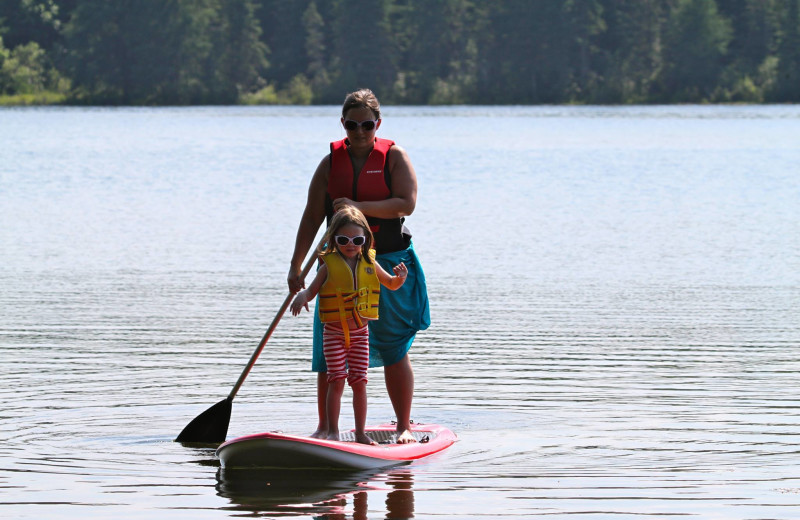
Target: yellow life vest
[(344, 295)]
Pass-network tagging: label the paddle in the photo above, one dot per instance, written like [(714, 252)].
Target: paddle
[(212, 425)]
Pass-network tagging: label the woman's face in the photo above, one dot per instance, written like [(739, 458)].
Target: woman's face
[(359, 136)]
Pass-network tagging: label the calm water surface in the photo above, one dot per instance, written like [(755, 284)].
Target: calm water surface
[(614, 296)]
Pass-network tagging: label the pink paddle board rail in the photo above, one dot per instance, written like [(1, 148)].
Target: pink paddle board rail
[(279, 450)]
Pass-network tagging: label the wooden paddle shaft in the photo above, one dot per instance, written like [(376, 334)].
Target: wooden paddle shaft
[(271, 329)]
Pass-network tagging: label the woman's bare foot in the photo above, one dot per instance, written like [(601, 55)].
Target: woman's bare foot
[(363, 438), (319, 434), (406, 438), (333, 435)]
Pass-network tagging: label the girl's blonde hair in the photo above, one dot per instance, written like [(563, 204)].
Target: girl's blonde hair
[(346, 215)]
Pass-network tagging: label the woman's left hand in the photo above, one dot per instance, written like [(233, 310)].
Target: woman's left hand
[(344, 201)]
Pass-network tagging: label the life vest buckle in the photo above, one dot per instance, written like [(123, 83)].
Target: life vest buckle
[(362, 303)]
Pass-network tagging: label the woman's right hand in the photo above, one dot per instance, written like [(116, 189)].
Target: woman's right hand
[(294, 281)]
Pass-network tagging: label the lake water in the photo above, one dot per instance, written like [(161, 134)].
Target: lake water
[(614, 295)]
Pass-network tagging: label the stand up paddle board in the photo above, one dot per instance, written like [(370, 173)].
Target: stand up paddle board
[(279, 450)]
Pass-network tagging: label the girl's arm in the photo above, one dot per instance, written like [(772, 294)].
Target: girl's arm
[(389, 281), (306, 295)]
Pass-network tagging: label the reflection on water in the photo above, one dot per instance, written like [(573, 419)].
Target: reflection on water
[(334, 494), (614, 297)]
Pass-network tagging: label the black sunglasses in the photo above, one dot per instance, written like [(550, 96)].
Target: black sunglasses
[(367, 126)]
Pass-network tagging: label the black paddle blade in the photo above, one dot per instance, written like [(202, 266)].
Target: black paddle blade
[(210, 426)]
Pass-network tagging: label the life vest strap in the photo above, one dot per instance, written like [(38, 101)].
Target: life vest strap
[(343, 317)]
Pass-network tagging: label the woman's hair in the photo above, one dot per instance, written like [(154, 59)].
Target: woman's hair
[(362, 98), (346, 215)]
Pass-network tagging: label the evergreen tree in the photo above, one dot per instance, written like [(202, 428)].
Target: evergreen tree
[(525, 53), (749, 71), (314, 26), (586, 24), (787, 87), (696, 42), (238, 57), (363, 50), (6, 82), (630, 50), (30, 21), (141, 52), (408, 51), (284, 34), (754, 29), (439, 50)]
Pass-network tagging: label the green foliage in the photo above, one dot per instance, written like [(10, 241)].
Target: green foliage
[(25, 69), (165, 51), (768, 75), (26, 72), (746, 91), (445, 93), (438, 51), (314, 28), (264, 96), (407, 51), (39, 98), (525, 53), (363, 51), (696, 42), (297, 92), (237, 56), (629, 56), (25, 18), (787, 83), (284, 35), (130, 52)]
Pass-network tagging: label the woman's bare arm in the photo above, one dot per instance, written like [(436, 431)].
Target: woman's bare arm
[(313, 215)]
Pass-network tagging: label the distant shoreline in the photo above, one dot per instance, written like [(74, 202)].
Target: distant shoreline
[(59, 99)]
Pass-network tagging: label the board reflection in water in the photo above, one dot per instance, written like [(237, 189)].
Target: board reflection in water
[(260, 490)]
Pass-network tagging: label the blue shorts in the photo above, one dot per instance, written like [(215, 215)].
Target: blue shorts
[(401, 314)]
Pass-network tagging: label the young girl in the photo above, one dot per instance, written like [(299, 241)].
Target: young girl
[(348, 284)]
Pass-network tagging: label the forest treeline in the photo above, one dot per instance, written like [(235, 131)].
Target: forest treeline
[(183, 52)]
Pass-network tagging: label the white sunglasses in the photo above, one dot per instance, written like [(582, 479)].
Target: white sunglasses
[(343, 240)]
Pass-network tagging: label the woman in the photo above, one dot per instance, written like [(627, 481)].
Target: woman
[(375, 176)]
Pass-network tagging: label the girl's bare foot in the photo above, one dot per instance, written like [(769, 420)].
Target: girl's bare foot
[(363, 438), (333, 436), (405, 438), (319, 434)]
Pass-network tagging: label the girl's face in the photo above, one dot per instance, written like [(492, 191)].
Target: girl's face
[(351, 231)]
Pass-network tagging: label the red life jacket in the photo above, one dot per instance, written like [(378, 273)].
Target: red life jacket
[(369, 183), (373, 182)]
